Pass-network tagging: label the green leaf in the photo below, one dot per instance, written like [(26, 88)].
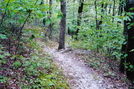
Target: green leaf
[(17, 64), (118, 19), (20, 8), (59, 16), (3, 79), (131, 66), (58, 0), (32, 37), (131, 50), (2, 36), (48, 21), (8, 1), (126, 66), (2, 56)]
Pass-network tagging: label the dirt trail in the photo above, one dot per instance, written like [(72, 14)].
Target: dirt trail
[(79, 76)]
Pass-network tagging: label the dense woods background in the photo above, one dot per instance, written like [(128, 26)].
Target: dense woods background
[(101, 26)]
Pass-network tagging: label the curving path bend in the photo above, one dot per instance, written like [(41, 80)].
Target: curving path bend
[(78, 75)]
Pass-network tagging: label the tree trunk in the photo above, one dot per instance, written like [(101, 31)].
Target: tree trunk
[(110, 7), (50, 13), (80, 9), (129, 32), (99, 23), (62, 25), (124, 45), (120, 9), (113, 10), (130, 44), (96, 19), (44, 19)]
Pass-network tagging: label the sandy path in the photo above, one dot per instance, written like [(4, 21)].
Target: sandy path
[(78, 74)]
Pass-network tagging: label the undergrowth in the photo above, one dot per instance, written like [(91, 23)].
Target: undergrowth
[(31, 67)]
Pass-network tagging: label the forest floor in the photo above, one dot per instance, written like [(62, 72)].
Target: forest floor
[(78, 74)]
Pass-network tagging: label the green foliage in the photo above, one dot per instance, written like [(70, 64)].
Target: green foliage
[(46, 75), (129, 66), (17, 64), (2, 36), (108, 39), (3, 79), (3, 55), (32, 37), (21, 57), (51, 81)]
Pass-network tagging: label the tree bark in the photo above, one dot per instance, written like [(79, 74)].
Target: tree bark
[(120, 9), (99, 23), (129, 33), (80, 9), (113, 10), (44, 19), (96, 19), (50, 13), (124, 45), (130, 43), (62, 25), (110, 7)]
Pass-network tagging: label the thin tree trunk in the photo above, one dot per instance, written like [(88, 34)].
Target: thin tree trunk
[(113, 10), (96, 19), (3, 16), (105, 8), (44, 19), (80, 9), (50, 13), (102, 12), (124, 46), (120, 9), (110, 7), (62, 25)]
